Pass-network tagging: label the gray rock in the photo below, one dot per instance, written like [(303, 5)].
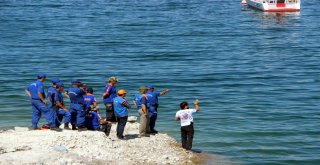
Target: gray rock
[(59, 148)]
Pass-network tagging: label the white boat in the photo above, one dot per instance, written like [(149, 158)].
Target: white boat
[(275, 5)]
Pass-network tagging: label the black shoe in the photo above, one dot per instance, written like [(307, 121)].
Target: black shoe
[(66, 127), (154, 132), (74, 127), (122, 138), (56, 129), (144, 135), (34, 128), (82, 129)]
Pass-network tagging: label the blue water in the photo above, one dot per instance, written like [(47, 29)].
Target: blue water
[(257, 75)]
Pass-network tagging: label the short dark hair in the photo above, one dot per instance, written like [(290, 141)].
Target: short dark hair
[(183, 104), (90, 90)]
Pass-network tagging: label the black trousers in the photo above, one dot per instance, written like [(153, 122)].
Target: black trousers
[(106, 128), (187, 133), (110, 116), (122, 121)]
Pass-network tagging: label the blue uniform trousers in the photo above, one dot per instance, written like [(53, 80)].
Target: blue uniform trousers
[(62, 114), (152, 118), (38, 108), (78, 114), (153, 113)]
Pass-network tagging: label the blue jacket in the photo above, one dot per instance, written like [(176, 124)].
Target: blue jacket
[(76, 95), (34, 88)]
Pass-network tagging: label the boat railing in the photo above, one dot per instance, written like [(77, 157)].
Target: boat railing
[(280, 1)]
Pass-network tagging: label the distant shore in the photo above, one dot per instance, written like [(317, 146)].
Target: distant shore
[(21, 146)]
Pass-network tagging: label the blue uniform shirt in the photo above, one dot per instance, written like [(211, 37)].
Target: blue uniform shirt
[(76, 95), (89, 100), (34, 88), (153, 97), (137, 98), (92, 121), (51, 91), (119, 109), (112, 93), (57, 96)]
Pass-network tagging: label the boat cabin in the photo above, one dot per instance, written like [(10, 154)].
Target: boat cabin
[(275, 5)]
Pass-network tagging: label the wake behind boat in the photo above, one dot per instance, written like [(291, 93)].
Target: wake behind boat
[(275, 5)]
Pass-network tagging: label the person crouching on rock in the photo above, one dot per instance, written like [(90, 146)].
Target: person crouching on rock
[(121, 107), (186, 121), (94, 121)]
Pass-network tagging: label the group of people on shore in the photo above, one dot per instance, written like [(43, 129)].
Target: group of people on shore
[(84, 113)]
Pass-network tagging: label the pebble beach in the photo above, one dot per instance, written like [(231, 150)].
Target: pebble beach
[(23, 146)]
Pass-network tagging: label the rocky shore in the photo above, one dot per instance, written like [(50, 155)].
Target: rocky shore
[(21, 146)]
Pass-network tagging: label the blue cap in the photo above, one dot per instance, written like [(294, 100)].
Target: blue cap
[(60, 84), (75, 81), (150, 86), (41, 75), (55, 80)]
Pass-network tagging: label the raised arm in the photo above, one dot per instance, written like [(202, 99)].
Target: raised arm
[(196, 104), (164, 91)]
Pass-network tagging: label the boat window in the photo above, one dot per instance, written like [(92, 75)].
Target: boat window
[(293, 1), (271, 1)]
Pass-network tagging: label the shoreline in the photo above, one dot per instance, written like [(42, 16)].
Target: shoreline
[(21, 146)]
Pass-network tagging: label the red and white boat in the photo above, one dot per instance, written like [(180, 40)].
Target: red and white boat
[(275, 5)]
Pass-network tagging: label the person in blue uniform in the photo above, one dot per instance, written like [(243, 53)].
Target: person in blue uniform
[(90, 100), (110, 92), (36, 92), (153, 109), (52, 89), (121, 107), (77, 106), (95, 122), (59, 107), (50, 93)]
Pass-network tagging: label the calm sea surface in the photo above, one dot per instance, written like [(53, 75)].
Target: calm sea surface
[(257, 75)]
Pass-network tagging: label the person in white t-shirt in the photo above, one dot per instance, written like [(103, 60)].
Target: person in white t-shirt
[(186, 120)]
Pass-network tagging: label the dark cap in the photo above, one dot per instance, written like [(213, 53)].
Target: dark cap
[(55, 80), (75, 81), (41, 75), (150, 86), (60, 84)]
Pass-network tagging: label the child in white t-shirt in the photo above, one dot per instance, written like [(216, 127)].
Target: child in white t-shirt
[(186, 120)]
